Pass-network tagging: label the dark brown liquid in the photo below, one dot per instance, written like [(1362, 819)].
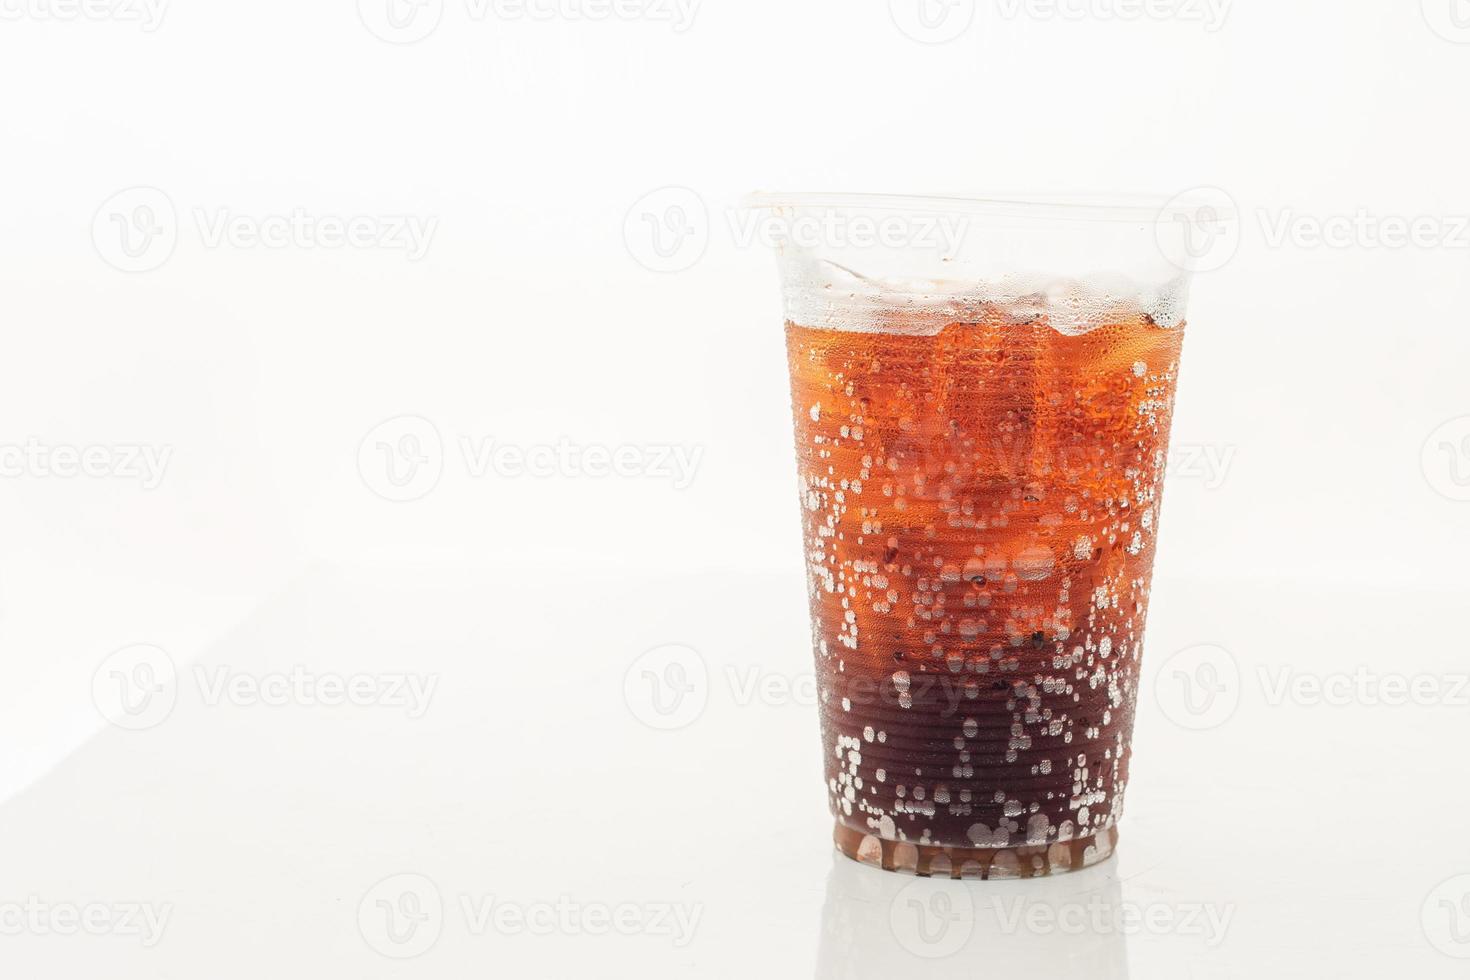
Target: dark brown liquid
[(979, 509)]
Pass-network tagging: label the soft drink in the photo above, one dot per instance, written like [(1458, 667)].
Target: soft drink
[(980, 500)]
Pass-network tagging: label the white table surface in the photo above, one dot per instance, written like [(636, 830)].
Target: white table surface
[(1290, 839)]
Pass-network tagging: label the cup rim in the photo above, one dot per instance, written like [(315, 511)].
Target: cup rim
[(1105, 207)]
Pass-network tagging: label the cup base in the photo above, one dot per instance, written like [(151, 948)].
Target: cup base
[(984, 863)]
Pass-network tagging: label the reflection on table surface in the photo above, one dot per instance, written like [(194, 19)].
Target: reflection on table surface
[(884, 925)]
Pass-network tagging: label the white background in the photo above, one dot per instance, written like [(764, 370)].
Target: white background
[(1326, 382)]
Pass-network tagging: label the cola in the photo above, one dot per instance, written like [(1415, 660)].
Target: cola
[(980, 504)]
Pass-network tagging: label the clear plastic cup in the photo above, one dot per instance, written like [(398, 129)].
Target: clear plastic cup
[(982, 393)]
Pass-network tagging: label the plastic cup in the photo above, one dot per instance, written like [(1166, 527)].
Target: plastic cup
[(982, 394)]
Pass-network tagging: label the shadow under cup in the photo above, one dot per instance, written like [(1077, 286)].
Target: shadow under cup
[(982, 394)]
